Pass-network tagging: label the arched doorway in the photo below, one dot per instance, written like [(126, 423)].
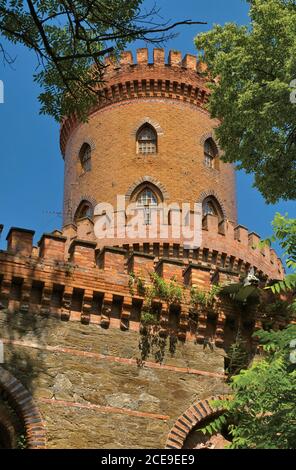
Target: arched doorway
[(21, 423), (185, 432)]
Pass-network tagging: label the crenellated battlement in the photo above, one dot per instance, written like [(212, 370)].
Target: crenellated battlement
[(74, 279), (175, 59), (179, 78), (224, 246)]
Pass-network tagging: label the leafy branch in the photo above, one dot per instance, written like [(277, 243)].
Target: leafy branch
[(70, 39), (261, 413), (205, 300), (155, 293), (285, 234)]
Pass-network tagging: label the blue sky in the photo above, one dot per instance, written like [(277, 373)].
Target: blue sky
[(31, 188)]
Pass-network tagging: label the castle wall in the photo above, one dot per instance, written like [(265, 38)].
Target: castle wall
[(70, 315), (70, 322), (89, 389)]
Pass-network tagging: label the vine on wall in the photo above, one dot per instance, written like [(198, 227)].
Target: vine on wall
[(202, 301), (159, 296)]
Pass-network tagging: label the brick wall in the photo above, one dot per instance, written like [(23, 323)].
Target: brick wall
[(67, 282), (172, 98)]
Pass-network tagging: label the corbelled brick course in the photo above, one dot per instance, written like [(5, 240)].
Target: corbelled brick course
[(93, 285)]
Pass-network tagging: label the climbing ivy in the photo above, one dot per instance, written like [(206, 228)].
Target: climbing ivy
[(154, 338), (201, 301), (169, 292), (158, 293)]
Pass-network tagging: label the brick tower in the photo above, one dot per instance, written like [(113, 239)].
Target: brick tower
[(150, 130), (151, 139), (70, 321)]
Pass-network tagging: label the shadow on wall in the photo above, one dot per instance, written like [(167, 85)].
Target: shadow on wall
[(18, 321)]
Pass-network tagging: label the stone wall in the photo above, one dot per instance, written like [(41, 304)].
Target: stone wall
[(89, 389)]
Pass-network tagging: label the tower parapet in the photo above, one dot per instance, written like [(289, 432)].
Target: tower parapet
[(150, 130), (92, 285), (180, 79)]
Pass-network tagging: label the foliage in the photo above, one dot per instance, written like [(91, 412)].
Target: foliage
[(277, 342), (285, 233), (215, 426), (238, 356), (203, 300), (70, 40), (275, 310), (149, 318), (153, 337), (255, 66), (22, 442), (262, 412), (69, 269), (169, 292), (288, 283)]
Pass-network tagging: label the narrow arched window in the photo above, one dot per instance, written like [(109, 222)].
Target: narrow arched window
[(147, 200), (211, 206), (147, 140), (85, 157), (84, 210), (210, 153)]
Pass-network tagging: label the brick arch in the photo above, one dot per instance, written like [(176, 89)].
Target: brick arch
[(193, 416), (23, 403), (210, 135), (152, 123), (86, 140), (87, 198), (147, 179), (84, 198), (212, 193)]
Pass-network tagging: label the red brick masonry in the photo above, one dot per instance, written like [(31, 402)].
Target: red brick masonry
[(26, 409), (103, 409), (193, 416), (121, 360)]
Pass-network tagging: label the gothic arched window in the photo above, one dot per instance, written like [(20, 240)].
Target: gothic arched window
[(210, 153), (85, 157), (146, 140), (147, 200), (84, 210), (211, 206)]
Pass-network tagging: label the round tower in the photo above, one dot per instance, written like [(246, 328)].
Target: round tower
[(149, 136)]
